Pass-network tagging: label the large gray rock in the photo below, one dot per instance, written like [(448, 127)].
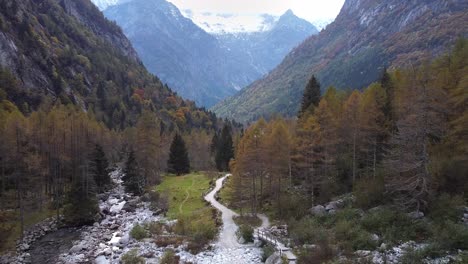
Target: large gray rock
[(318, 210), (124, 240), (116, 208), (331, 206), (130, 206), (274, 259), (101, 260)]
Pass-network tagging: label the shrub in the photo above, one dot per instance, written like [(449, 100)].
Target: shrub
[(307, 231), (202, 234), (138, 232), (132, 257), (394, 226), (321, 254), (155, 228), (268, 250), (446, 207), (182, 227), (246, 232), (166, 241), (463, 258), (412, 256), (200, 230), (169, 257), (352, 236), (451, 236), (6, 227), (369, 192), (250, 220), (294, 206)]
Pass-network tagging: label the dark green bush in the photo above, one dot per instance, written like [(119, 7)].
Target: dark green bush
[(307, 231), (369, 192), (446, 207), (268, 250), (169, 257), (322, 254), (138, 232), (352, 236), (132, 257), (451, 236), (246, 232), (294, 206), (155, 228), (394, 226)]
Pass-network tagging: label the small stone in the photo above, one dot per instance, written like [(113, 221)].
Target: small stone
[(416, 215), (375, 237)]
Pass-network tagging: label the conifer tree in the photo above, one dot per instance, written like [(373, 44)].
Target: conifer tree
[(389, 106), (178, 162), (99, 168), (312, 95), (82, 204), (214, 144), (133, 180), (225, 150)]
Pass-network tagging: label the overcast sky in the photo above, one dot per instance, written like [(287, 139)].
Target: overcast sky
[(311, 10)]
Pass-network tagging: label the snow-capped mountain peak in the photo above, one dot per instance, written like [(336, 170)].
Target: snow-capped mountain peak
[(221, 23), (103, 4)]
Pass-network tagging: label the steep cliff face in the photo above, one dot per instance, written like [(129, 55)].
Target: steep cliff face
[(87, 14), (66, 51), (366, 37)]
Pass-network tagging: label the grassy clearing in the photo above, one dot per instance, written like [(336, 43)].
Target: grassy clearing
[(185, 193), (197, 220)]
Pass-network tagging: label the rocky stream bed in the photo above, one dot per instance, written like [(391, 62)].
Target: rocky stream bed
[(108, 240)]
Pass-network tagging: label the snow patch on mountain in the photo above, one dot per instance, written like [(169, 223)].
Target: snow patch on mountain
[(104, 4), (222, 23)]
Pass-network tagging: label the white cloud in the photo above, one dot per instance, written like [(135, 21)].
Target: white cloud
[(311, 10)]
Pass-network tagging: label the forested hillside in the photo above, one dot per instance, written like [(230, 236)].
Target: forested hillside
[(68, 52), (74, 100), (399, 146), (366, 37)]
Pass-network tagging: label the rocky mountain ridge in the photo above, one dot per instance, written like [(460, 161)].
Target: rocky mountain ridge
[(200, 66), (66, 51), (366, 37)]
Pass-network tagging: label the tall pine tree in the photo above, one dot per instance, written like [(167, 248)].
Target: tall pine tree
[(99, 168), (224, 150), (82, 205), (312, 95), (133, 179), (178, 162)]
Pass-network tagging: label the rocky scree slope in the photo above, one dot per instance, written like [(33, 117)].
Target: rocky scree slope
[(366, 37)]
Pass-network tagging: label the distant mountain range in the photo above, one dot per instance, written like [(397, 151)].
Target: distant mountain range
[(352, 52), (201, 66)]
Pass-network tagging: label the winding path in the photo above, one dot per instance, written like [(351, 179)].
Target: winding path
[(186, 197), (227, 236)]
